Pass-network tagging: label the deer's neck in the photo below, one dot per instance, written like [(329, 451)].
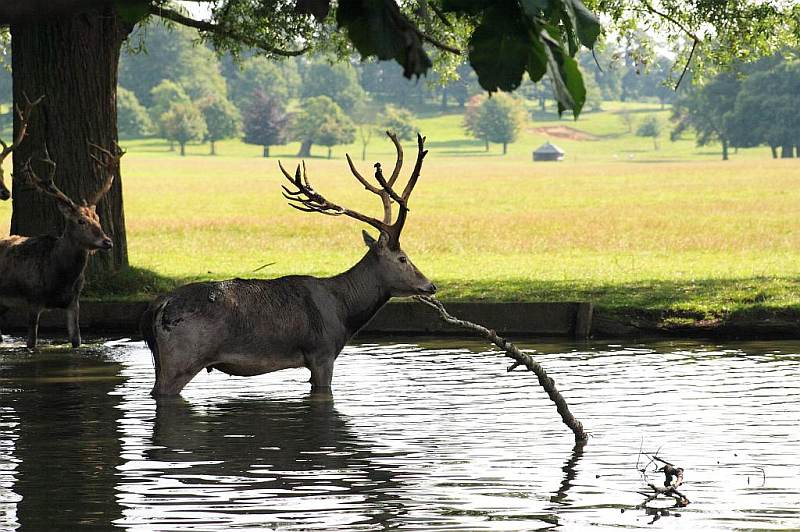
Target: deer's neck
[(361, 292), (68, 256)]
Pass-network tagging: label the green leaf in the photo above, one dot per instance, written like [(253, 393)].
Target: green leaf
[(535, 8), (377, 28), (469, 7), (318, 8), (537, 61), (499, 49), (132, 11), (587, 25), (567, 79)]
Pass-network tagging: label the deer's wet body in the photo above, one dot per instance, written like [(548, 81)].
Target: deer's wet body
[(249, 327), (37, 273)]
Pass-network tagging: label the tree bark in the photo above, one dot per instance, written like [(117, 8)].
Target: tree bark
[(213, 148), (787, 151), (183, 149), (305, 149), (329, 152), (505, 148), (774, 150), (487, 144), (266, 151), (724, 149), (71, 60)]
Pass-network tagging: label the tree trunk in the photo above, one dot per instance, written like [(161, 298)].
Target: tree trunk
[(724, 149), (213, 148), (774, 150), (49, 57), (305, 149), (183, 149), (329, 152), (787, 151), (364, 152), (487, 144), (171, 146), (265, 153), (542, 103), (444, 98), (505, 148)]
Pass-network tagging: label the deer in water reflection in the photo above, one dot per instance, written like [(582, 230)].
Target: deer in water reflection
[(249, 327)]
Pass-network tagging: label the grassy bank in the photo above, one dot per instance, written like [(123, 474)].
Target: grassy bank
[(673, 233)]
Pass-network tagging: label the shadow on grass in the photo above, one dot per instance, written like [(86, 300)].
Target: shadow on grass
[(132, 283)]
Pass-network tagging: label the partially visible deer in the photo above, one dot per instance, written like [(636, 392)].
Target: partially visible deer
[(249, 327), (24, 114), (46, 272)]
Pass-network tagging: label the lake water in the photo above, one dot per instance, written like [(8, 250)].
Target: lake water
[(421, 435)]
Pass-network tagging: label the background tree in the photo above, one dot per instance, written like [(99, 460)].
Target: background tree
[(183, 122), (163, 96), (132, 118), (338, 82), (765, 109), (336, 130), (314, 114), (472, 123), (650, 127), (399, 121), (277, 78), (266, 122), (707, 110), (498, 119), (627, 119), (223, 120)]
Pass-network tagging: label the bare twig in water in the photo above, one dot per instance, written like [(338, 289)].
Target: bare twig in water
[(673, 479), (521, 359)]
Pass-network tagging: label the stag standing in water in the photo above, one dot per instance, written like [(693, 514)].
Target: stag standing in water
[(46, 272), (249, 327)]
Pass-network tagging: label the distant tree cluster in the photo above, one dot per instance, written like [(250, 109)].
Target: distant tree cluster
[(496, 119), (753, 107)]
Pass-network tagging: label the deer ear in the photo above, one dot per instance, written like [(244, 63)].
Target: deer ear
[(368, 240)]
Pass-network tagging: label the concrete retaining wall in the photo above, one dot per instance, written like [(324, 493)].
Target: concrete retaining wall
[(402, 317)]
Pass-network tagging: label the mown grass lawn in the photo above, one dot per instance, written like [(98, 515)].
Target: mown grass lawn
[(674, 232)]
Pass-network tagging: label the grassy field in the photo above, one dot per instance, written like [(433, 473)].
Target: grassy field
[(675, 232)]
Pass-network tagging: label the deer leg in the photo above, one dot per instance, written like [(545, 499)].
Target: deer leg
[(73, 324), (33, 327), (171, 380), (3, 311), (321, 373)]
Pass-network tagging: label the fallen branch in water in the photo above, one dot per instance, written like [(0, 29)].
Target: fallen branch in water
[(520, 359), (673, 478)]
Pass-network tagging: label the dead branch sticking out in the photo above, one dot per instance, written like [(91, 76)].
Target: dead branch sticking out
[(520, 359), (673, 478)]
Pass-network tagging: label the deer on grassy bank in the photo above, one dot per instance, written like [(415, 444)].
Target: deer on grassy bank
[(249, 327), (46, 272), (24, 114)]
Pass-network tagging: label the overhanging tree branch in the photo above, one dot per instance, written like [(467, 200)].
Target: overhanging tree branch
[(216, 29), (692, 35)]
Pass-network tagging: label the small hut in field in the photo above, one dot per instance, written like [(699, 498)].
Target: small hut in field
[(548, 152)]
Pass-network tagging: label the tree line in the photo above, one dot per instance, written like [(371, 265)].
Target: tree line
[(752, 105)]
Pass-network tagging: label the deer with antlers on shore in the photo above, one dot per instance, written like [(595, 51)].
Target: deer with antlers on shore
[(24, 114), (46, 272), (249, 327)]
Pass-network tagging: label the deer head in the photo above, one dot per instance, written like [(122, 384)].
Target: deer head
[(82, 223), (394, 266), (24, 114)]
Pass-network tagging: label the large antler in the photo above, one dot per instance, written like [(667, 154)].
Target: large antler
[(47, 186), (306, 199), (24, 114), (106, 161)]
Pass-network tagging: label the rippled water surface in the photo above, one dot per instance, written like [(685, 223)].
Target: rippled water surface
[(421, 435)]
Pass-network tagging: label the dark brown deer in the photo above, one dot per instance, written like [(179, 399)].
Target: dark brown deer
[(46, 272), (249, 327), (24, 114)]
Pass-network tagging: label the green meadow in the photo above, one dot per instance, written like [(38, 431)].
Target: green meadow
[(674, 233)]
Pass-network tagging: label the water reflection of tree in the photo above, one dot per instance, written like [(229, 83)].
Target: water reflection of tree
[(68, 445), (277, 451)]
